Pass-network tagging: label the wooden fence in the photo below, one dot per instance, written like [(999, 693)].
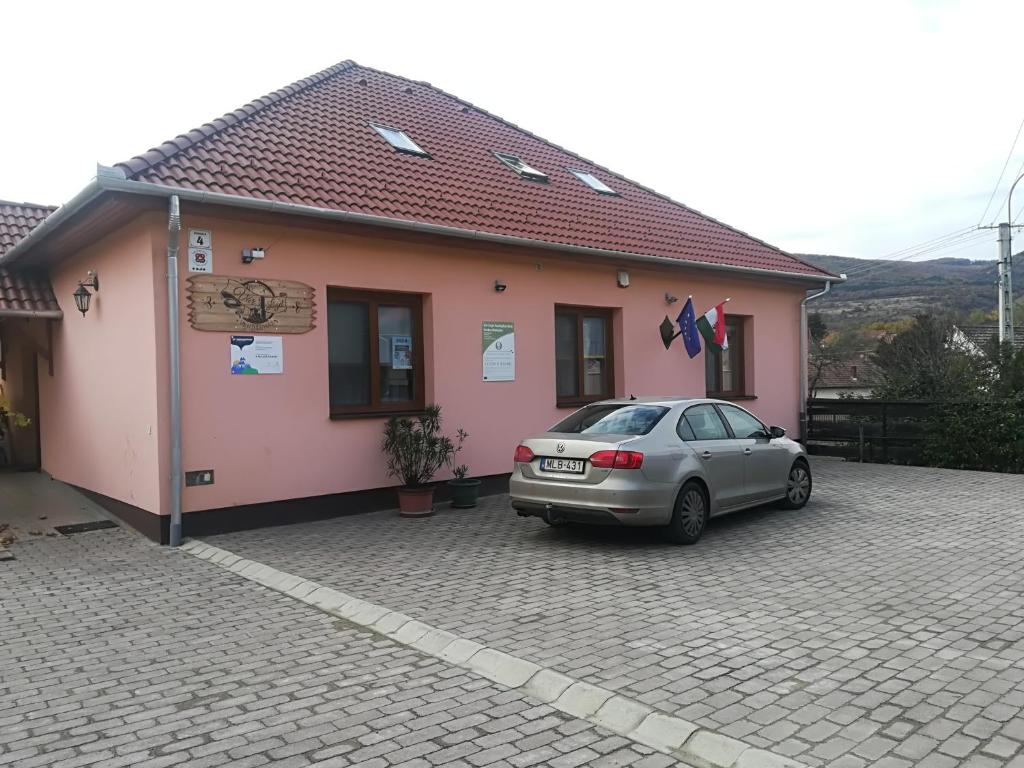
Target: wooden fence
[(868, 430)]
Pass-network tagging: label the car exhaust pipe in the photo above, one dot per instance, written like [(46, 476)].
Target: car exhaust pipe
[(552, 517)]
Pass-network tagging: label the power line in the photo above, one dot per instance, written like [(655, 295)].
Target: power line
[(956, 246), (950, 235), (966, 240), (1000, 179), (935, 244), (999, 208)]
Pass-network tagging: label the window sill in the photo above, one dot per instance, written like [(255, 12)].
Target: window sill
[(347, 416), (724, 396)]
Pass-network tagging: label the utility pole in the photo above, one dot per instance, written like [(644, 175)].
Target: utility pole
[(1006, 268), (1005, 285)]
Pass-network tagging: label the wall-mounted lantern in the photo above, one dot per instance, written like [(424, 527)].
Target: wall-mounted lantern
[(82, 295)]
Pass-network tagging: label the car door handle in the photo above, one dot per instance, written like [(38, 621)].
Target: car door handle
[(747, 451), (706, 455)]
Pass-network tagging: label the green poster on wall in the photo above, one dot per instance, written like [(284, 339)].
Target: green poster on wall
[(499, 351)]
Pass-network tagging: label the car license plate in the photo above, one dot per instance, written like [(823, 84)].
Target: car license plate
[(562, 465)]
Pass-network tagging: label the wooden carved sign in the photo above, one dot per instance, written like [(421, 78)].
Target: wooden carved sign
[(222, 303)]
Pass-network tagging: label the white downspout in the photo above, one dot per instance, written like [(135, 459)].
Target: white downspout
[(174, 351), (803, 357)]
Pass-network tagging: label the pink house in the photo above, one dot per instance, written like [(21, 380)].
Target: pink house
[(360, 241)]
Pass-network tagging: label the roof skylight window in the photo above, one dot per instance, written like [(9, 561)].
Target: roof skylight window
[(399, 140), (593, 182), (520, 167)]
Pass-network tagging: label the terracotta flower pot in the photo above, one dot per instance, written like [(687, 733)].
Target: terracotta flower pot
[(416, 502)]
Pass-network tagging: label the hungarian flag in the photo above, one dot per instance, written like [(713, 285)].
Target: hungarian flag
[(712, 326)]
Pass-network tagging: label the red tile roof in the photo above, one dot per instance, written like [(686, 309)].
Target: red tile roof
[(23, 294), (26, 294), (18, 219), (311, 144)]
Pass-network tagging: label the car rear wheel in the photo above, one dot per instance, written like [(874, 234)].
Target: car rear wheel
[(798, 485), (690, 515)]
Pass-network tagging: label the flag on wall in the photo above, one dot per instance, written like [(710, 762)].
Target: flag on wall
[(712, 327), (688, 327)]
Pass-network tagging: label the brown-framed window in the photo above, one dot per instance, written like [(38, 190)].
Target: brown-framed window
[(583, 355), (375, 351), (723, 369)]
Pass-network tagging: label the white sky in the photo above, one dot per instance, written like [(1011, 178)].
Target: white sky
[(856, 128)]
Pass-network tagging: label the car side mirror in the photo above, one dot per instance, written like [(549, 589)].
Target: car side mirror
[(776, 432)]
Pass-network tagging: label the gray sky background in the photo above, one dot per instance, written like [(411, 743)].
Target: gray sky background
[(856, 129)]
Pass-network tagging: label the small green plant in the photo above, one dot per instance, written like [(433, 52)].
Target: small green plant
[(461, 470), (415, 447), (6, 412)]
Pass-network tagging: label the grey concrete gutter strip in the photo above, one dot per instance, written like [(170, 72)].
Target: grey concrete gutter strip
[(683, 740), (112, 180)]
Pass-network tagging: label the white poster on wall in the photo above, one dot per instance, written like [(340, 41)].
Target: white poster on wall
[(401, 353), (499, 351), (256, 355)]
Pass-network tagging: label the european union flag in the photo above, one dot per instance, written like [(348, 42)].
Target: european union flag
[(688, 326)]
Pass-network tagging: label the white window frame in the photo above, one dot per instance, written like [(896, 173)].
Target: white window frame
[(412, 148), (521, 167), (592, 181)]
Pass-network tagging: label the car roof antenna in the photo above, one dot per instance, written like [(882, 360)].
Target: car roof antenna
[(632, 397)]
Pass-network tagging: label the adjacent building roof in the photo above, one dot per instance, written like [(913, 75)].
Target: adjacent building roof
[(983, 336), (18, 219), (24, 294), (314, 143), (859, 372)]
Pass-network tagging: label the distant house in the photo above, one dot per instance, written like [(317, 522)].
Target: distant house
[(856, 377), (374, 244), (979, 339)]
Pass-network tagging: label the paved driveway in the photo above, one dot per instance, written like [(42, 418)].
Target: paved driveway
[(116, 652), (881, 625)]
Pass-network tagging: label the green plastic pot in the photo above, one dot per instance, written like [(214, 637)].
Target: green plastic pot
[(464, 493)]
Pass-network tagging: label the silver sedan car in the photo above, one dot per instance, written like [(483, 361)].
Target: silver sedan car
[(668, 462)]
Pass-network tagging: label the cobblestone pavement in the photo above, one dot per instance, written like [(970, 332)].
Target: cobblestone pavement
[(115, 652), (882, 625)]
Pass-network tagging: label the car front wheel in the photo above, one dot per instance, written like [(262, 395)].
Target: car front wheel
[(798, 485), (690, 515)]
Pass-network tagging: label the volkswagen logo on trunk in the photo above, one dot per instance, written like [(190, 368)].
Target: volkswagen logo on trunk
[(560, 447)]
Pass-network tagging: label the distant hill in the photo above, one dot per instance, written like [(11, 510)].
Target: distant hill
[(899, 290)]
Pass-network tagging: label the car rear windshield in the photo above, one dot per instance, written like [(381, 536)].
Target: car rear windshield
[(614, 419)]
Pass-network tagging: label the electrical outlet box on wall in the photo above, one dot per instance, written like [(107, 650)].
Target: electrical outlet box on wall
[(199, 477)]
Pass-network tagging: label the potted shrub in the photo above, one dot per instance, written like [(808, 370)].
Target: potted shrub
[(416, 450), (464, 490), (9, 416)]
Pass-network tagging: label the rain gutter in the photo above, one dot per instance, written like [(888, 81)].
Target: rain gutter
[(42, 314), (111, 180), (803, 389), (174, 365)]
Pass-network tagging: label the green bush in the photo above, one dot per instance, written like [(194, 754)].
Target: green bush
[(983, 435)]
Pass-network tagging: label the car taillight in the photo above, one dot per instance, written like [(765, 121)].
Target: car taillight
[(523, 455), (617, 460)]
